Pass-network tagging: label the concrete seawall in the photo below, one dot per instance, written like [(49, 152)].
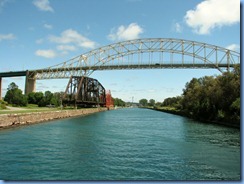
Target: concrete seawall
[(10, 120)]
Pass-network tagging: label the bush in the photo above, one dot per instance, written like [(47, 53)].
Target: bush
[(3, 104)]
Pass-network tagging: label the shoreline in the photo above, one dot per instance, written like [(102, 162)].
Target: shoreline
[(183, 114), (19, 119)]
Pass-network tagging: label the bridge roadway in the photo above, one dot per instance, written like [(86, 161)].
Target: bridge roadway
[(109, 67)]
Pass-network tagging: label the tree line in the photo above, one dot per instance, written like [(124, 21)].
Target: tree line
[(119, 102), (211, 98), (144, 102), (15, 97)]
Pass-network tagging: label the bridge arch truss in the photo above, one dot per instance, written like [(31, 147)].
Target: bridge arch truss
[(144, 54)]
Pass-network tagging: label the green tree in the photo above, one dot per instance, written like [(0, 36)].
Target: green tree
[(173, 102), (214, 98), (39, 96), (143, 102), (118, 102), (32, 98), (14, 96), (48, 98), (158, 104), (151, 102), (3, 104)]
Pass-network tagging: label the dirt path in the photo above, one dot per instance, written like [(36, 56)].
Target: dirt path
[(13, 108)]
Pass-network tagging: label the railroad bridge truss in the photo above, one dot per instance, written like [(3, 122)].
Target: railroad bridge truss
[(84, 91), (147, 53)]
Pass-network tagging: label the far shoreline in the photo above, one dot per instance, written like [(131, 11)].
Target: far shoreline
[(183, 114)]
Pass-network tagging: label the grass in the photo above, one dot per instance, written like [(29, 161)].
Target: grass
[(33, 108), (28, 110), (168, 108)]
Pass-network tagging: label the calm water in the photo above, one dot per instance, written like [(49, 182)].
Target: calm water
[(124, 144)]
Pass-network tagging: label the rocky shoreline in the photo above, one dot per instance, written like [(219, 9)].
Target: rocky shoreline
[(13, 120)]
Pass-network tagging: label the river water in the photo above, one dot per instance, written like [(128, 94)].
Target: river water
[(123, 144)]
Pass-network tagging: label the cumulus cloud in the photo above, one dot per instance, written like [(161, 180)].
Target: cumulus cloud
[(129, 32), (9, 36), (43, 5), (210, 14), (71, 36), (46, 53), (233, 47)]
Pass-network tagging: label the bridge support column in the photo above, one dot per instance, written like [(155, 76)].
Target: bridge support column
[(0, 88), (30, 83)]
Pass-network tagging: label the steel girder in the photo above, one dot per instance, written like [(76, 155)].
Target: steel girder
[(84, 91), (144, 53)]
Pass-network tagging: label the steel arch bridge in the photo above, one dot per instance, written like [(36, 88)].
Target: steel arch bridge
[(143, 54)]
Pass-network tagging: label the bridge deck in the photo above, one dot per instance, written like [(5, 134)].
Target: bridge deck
[(113, 67), (13, 74)]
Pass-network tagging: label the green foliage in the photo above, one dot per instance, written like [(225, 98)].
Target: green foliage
[(31, 98), (214, 98), (236, 105), (14, 96), (118, 102), (48, 98), (151, 102), (143, 102), (3, 104), (12, 86), (172, 102), (38, 97), (158, 104)]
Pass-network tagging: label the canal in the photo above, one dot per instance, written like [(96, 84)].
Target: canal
[(123, 144)]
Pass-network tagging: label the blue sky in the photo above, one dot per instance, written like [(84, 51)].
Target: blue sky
[(40, 33)]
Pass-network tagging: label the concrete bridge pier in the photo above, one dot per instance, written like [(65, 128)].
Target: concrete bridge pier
[(30, 83)]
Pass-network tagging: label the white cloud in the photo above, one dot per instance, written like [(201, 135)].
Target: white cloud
[(9, 36), (71, 36), (178, 28), (210, 14), (43, 5), (46, 53), (48, 26), (233, 47), (66, 47), (130, 32)]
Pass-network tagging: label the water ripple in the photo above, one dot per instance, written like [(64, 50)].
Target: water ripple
[(125, 144)]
